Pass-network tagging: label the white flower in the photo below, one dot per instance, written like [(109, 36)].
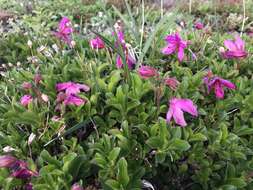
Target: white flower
[(29, 43), (31, 138), (8, 149)]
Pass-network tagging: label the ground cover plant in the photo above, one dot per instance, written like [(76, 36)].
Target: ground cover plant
[(153, 95)]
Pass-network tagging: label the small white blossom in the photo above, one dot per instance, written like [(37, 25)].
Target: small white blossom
[(31, 138)]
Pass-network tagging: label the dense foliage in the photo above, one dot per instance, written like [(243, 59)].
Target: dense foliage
[(92, 98)]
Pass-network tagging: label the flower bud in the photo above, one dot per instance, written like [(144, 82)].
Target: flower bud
[(7, 161), (147, 72)]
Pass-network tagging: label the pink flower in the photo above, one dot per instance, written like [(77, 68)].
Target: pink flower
[(172, 83), (218, 84), (97, 43), (175, 45), (26, 99), (147, 72), (127, 49), (129, 60), (18, 168), (235, 49), (71, 87), (74, 100), (64, 30), (198, 25), (177, 107), (76, 186), (7, 161), (26, 85)]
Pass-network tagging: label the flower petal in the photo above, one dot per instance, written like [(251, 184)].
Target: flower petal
[(187, 106), (169, 49), (228, 84), (180, 54), (229, 44), (178, 116), (219, 92)]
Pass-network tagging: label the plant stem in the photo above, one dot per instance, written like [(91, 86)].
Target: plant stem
[(244, 16)]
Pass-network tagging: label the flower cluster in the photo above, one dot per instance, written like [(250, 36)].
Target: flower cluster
[(68, 93)]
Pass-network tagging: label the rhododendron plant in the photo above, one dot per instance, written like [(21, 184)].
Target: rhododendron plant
[(177, 107), (26, 99), (72, 88), (235, 49), (64, 30), (175, 44), (172, 83), (198, 25), (97, 43), (127, 49), (147, 72), (218, 84)]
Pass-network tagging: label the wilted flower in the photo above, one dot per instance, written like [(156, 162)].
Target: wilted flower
[(26, 99), (198, 25), (37, 78), (177, 109), (55, 47), (64, 30), (26, 85), (175, 45), (44, 97), (20, 170), (218, 84), (74, 100), (235, 49), (76, 186), (7, 161), (72, 88), (172, 83), (147, 72), (97, 43)]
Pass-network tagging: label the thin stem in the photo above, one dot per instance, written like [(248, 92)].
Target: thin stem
[(244, 16), (190, 6), (161, 8)]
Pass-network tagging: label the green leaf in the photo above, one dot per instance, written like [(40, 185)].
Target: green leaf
[(113, 184), (113, 155), (179, 144), (237, 182), (122, 172), (155, 142), (197, 137)]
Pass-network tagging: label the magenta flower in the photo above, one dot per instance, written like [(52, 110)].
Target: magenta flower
[(97, 43), (235, 49), (74, 100), (76, 186), (177, 109), (18, 168), (198, 25), (172, 83), (26, 99), (7, 161), (175, 45), (129, 60), (218, 84), (146, 72), (127, 49), (64, 30), (72, 88)]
